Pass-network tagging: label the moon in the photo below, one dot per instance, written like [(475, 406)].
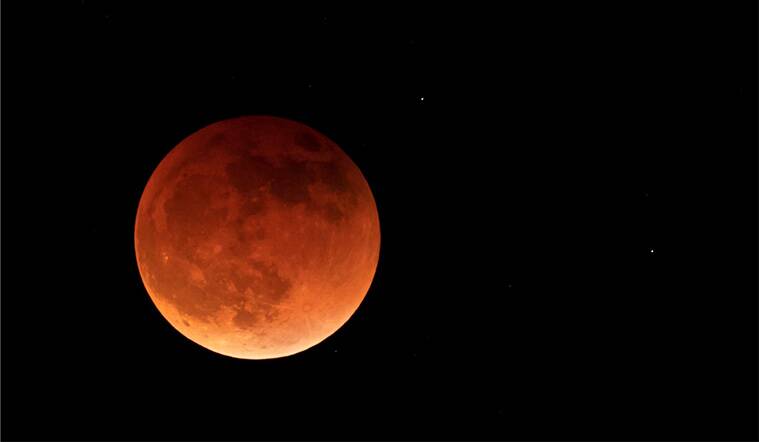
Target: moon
[(257, 237)]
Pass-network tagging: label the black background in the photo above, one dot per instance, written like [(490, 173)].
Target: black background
[(517, 296)]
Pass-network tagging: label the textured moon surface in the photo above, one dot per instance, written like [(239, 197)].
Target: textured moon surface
[(257, 237)]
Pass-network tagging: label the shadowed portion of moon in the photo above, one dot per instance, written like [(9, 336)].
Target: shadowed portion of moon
[(257, 237)]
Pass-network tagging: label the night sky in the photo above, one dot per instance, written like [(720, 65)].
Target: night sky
[(567, 198)]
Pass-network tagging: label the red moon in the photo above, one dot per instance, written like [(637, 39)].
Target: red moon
[(257, 237)]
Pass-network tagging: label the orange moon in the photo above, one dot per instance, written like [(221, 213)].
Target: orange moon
[(257, 237)]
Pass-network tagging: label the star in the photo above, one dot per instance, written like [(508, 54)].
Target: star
[(421, 99), (652, 251)]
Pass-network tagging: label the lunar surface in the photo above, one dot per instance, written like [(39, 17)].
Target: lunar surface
[(257, 237)]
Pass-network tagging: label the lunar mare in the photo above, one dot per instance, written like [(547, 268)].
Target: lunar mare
[(257, 237)]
